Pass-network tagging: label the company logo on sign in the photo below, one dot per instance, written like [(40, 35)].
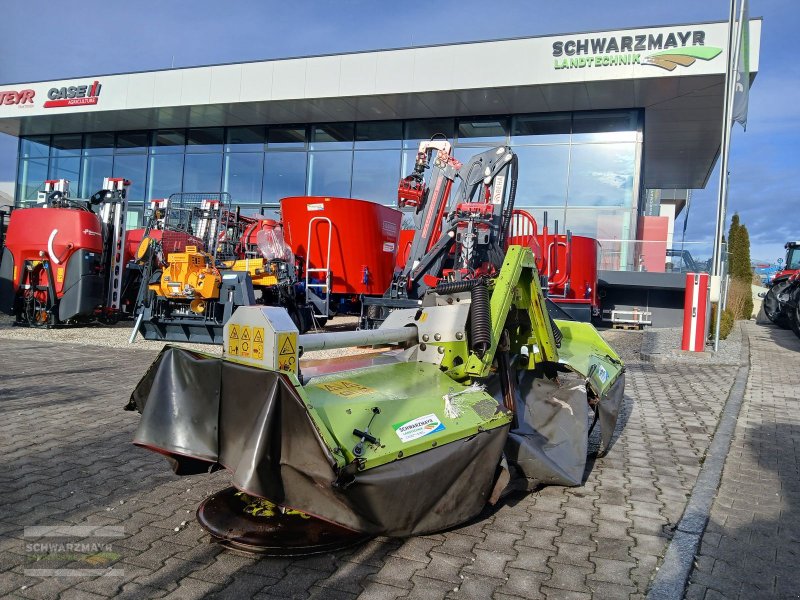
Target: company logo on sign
[(21, 99), (681, 48), (74, 95)]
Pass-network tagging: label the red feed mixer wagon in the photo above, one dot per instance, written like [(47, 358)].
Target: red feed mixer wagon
[(64, 262), (348, 246), (569, 262)]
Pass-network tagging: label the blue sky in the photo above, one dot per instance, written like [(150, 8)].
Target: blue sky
[(48, 40)]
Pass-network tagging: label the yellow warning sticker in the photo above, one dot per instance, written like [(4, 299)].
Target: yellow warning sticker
[(346, 389), (233, 340), (246, 341), (60, 275), (257, 352), (287, 352)]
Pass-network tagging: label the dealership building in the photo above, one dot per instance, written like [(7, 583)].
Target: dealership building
[(608, 126)]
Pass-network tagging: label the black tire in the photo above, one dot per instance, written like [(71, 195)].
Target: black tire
[(772, 307)]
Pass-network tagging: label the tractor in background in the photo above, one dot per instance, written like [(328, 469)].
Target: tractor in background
[(64, 260), (779, 289)]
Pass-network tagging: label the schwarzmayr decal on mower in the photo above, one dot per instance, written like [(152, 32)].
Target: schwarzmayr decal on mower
[(417, 428)]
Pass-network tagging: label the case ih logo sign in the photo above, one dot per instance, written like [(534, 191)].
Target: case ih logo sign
[(21, 99), (682, 48), (74, 95)]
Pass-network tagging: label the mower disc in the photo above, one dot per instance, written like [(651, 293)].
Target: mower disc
[(254, 525)]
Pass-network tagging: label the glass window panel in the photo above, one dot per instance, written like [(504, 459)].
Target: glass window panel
[(66, 145), (601, 174), (66, 167), (601, 224), (245, 139), (164, 176), (243, 176), (329, 173), (543, 174), (612, 228), (284, 175), (605, 126), (375, 175), (30, 177), (35, 146), (202, 173), (133, 168), (463, 153), (95, 169), (167, 141), (541, 129), (207, 139), (483, 131), (135, 218), (98, 143), (425, 129), (545, 214), (286, 137), (407, 163), (332, 136), (379, 134), (130, 142)]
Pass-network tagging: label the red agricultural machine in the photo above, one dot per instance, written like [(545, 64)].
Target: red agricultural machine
[(64, 261), (200, 259), (462, 235), (347, 246), (782, 284)]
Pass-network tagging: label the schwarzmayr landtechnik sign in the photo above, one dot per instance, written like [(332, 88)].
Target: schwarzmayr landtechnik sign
[(665, 50)]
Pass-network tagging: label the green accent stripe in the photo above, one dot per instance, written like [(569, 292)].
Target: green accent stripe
[(701, 52)]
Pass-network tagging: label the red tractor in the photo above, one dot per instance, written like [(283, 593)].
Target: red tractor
[(775, 298), (65, 261)]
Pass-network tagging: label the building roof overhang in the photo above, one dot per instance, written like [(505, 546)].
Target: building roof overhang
[(681, 93)]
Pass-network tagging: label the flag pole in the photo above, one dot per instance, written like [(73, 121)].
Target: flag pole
[(722, 199)]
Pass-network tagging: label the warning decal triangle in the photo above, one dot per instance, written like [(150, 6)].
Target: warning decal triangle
[(234, 335), (246, 334), (288, 347), (257, 337)]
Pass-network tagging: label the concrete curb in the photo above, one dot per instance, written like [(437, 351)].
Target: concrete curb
[(671, 579)]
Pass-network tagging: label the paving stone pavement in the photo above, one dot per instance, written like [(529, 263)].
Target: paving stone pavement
[(66, 458), (751, 546)]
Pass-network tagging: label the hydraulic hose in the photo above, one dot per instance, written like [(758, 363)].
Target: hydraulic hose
[(512, 193), (480, 318), (454, 287)]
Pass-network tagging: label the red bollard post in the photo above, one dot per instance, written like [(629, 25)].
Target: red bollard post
[(695, 312)]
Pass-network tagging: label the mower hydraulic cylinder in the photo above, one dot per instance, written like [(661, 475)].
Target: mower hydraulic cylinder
[(364, 337)]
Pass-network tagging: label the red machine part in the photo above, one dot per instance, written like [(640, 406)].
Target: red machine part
[(363, 240), (176, 241), (54, 234), (569, 262), (248, 239)]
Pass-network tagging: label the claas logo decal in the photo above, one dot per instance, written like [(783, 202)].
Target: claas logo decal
[(74, 95)]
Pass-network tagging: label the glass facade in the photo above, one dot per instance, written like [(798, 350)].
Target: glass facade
[(581, 169)]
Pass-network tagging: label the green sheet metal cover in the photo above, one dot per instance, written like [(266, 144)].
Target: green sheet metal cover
[(412, 418)]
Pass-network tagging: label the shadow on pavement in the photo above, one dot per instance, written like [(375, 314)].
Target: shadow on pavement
[(751, 546)]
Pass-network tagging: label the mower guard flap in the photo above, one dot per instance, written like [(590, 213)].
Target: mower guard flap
[(204, 413)]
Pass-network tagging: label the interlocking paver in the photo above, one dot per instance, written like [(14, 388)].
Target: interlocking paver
[(750, 548), (605, 537)]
